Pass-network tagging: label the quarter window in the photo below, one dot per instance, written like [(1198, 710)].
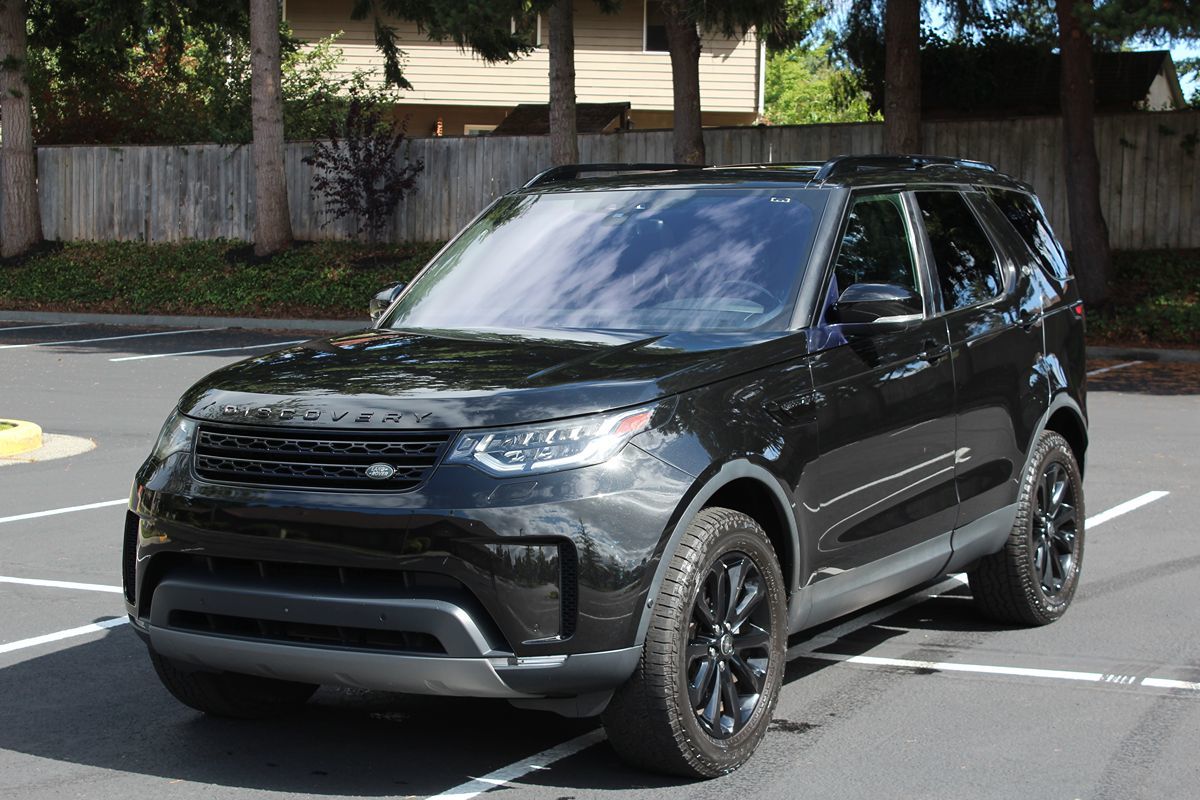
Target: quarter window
[(1026, 215), (875, 247), (968, 270)]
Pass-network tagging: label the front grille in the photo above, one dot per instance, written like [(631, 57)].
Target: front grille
[(318, 459)]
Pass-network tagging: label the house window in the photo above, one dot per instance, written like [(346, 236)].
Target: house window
[(478, 130), (535, 30), (654, 33)]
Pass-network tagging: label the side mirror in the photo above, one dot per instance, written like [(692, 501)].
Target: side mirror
[(877, 302), (380, 302)]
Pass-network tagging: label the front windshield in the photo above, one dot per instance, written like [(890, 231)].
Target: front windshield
[(648, 260)]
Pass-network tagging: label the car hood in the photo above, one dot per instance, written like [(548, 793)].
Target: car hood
[(458, 379)]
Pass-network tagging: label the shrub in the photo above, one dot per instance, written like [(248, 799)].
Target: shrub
[(357, 170)]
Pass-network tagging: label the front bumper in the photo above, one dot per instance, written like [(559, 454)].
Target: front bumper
[(509, 678), (468, 586)]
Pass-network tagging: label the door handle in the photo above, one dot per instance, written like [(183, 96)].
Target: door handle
[(934, 351), (1028, 318)]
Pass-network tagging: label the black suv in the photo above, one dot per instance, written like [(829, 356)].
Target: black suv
[(623, 436)]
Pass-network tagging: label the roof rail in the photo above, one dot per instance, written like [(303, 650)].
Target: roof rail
[(771, 165), (569, 172), (851, 165)]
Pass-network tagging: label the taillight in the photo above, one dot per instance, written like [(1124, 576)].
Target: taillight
[(1077, 310)]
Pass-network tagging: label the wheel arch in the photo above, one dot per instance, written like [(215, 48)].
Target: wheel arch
[(740, 486), (1065, 418)]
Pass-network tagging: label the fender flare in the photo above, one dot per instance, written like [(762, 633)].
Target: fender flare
[(702, 492), (1060, 401)]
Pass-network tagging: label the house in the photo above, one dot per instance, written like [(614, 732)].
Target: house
[(1123, 80), (619, 58)]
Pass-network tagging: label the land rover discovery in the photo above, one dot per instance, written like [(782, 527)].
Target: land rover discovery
[(620, 438)]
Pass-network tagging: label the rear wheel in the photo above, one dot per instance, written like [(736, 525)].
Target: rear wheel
[(230, 694), (703, 693), (1033, 579)]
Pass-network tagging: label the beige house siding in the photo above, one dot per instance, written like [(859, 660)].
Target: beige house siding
[(609, 60)]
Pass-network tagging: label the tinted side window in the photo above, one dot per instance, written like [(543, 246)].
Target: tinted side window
[(1026, 215), (967, 268), (875, 246)]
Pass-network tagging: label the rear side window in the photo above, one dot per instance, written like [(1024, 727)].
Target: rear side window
[(967, 267), (875, 246), (1026, 215)]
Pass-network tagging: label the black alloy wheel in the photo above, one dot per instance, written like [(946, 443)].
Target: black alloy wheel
[(702, 695), (1032, 580), (1054, 529), (727, 654)]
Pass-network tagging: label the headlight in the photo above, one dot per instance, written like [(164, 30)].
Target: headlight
[(176, 437), (572, 443)]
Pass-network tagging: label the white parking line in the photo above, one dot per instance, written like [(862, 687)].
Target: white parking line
[(1023, 672), (67, 510), (87, 587), (109, 338), (214, 350), (1102, 370), (1166, 683), (507, 774), (31, 327), (70, 633), (1123, 508)]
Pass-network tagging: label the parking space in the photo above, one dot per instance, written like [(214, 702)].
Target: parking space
[(917, 697)]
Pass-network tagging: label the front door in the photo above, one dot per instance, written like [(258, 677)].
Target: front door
[(883, 502)]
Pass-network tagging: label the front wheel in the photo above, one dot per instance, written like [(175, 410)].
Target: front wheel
[(1033, 579), (708, 680)]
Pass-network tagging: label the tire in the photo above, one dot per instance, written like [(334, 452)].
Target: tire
[(1020, 585), (230, 694), (652, 721)]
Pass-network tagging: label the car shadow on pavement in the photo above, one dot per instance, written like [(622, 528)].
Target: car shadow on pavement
[(99, 704)]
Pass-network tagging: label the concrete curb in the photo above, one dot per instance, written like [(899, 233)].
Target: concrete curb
[(21, 438), (251, 323), (1144, 354)]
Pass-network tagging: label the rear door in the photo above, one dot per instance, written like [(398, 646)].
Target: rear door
[(882, 503), (996, 337)]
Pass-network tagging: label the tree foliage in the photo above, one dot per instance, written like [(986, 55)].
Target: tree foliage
[(806, 86), (200, 93), (1154, 20)]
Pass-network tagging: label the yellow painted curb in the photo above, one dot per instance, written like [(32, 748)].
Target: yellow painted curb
[(21, 438)]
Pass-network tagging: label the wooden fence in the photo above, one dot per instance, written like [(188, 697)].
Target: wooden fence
[(1150, 187)]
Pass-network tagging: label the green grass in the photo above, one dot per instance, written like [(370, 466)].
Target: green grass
[(1154, 299), (328, 280)]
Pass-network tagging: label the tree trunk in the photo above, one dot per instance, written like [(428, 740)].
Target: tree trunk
[(1091, 257), (564, 141), (21, 222), (272, 220), (902, 77), (683, 42)]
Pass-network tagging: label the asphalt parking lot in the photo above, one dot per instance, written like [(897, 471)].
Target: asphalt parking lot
[(916, 698)]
